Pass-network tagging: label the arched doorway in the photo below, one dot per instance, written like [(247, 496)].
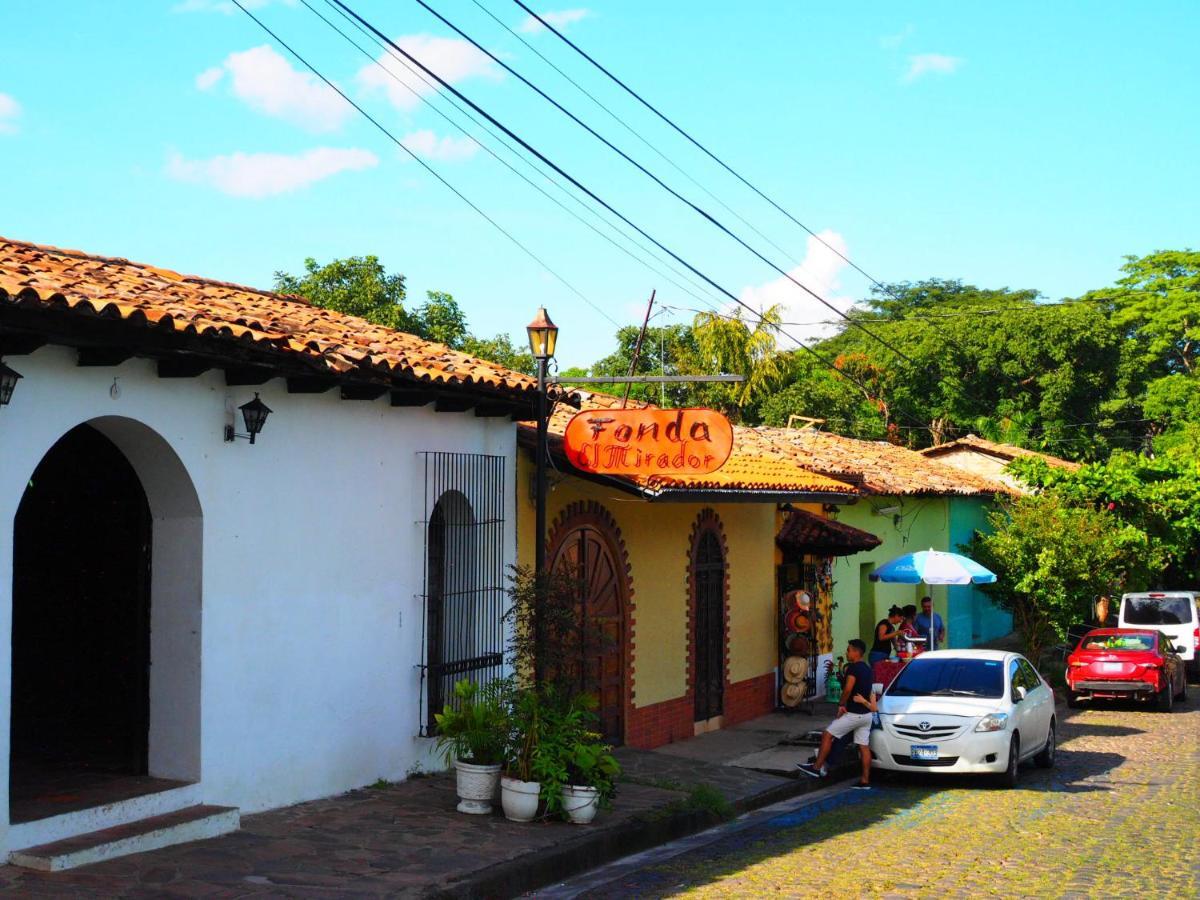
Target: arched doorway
[(586, 547), (708, 577), (453, 620), (81, 616), (106, 622)]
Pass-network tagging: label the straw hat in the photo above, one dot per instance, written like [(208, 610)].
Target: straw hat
[(793, 694), (795, 669)]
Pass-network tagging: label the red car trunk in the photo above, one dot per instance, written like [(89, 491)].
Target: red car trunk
[(1116, 662)]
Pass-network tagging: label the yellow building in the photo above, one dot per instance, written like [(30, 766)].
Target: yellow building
[(681, 581)]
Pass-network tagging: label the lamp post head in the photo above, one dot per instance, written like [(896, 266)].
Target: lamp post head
[(8, 383), (543, 335)]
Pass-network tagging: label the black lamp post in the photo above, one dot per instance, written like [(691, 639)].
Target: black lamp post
[(543, 335), (254, 414), (8, 383)]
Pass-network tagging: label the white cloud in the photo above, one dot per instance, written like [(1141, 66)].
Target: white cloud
[(209, 77), (221, 6), (820, 271), (446, 149), (891, 41), (267, 83), (267, 174), (452, 59), (924, 63), (560, 19), (10, 109)]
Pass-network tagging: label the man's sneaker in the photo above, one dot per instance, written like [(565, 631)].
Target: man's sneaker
[(862, 787), (812, 771)]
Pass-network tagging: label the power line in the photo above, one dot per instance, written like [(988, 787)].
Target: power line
[(492, 153), (428, 168), (701, 147), (709, 217)]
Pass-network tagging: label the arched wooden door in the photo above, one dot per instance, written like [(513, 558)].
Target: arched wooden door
[(587, 554), (708, 606)]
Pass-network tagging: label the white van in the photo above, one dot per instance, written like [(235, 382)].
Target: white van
[(1174, 613)]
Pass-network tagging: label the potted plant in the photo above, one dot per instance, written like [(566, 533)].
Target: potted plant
[(592, 772), (520, 791), (473, 738)]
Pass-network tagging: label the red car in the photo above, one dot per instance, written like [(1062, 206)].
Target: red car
[(1126, 663)]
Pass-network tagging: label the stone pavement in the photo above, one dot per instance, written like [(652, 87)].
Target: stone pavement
[(405, 840), (1116, 817)]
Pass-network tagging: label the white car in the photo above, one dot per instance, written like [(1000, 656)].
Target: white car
[(1175, 613), (965, 711)]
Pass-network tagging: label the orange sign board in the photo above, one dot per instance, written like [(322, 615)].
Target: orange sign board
[(648, 441)]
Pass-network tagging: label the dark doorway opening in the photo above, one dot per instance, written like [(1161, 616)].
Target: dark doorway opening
[(708, 582), (81, 629)]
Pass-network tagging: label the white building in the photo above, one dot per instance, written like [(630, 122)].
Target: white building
[(194, 620)]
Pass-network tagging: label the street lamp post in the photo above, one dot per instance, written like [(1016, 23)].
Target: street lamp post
[(543, 335)]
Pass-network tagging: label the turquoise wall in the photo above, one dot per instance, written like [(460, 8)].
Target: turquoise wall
[(918, 523)]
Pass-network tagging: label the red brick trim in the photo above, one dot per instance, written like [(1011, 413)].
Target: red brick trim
[(661, 723), (590, 514), (706, 521), (749, 699)]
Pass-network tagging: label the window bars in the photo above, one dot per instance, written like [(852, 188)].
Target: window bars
[(463, 604)]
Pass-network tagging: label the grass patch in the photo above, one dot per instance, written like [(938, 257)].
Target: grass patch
[(702, 798)]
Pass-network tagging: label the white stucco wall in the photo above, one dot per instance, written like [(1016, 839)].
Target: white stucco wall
[(309, 614)]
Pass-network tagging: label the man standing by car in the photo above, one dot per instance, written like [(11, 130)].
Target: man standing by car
[(930, 626), (853, 717)]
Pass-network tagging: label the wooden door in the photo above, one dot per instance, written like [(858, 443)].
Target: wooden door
[(587, 556), (708, 584)]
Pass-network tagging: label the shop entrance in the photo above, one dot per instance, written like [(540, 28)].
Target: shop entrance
[(81, 628)]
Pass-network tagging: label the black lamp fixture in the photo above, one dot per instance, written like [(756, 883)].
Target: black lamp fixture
[(8, 383), (254, 414), (543, 336)]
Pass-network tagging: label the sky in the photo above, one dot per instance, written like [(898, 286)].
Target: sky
[(1026, 145)]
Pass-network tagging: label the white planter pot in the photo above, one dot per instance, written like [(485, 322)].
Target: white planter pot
[(476, 787), (519, 799), (580, 803)]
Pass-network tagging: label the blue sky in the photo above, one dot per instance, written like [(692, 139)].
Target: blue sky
[(1022, 144)]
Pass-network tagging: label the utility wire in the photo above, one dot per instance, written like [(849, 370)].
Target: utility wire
[(428, 168), (724, 165), (704, 214), (612, 115), (493, 154), (580, 186)]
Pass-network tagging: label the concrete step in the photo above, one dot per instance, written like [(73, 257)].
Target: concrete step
[(193, 823)]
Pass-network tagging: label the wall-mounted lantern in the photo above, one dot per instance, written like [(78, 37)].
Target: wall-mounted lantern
[(254, 414), (8, 383)]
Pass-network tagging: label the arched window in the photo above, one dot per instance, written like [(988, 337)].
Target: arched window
[(454, 634), (708, 577)]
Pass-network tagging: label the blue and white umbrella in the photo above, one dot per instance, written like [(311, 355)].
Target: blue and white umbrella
[(933, 567)]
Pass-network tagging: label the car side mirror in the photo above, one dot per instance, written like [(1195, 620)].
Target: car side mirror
[(1177, 649), (1021, 693)]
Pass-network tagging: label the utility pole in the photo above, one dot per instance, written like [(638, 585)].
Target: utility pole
[(637, 348)]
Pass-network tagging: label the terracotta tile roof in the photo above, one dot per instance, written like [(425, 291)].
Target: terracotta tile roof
[(286, 326), (880, 467), (805, 532), (747, 469), (1001, 451)]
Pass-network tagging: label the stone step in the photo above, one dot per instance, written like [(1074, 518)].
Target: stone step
[(193, 823)]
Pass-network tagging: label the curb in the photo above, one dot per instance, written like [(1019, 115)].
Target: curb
[(592, 849)]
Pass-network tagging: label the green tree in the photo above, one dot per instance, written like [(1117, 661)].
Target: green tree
[(819, 393), (734, 345), (500, 350), (358, 286), (664, 351), (1052, 559), (440, 319)]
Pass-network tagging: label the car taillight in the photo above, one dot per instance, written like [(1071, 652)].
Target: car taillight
[(1196, 639)]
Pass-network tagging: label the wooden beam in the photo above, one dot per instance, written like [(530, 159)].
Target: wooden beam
[(309, 385), (182, 367), (20, 344), (103, 356), (246, 376), (363, 391), (488, 410), (453, 403), (412, 397)]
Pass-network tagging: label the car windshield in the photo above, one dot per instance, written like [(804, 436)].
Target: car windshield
[(1115, 643), (1157, 611), (950, 678)]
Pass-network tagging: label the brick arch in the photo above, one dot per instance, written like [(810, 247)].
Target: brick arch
[(707, 522), (613, 660)]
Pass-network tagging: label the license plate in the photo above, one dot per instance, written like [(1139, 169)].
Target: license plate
[(924, 751), (1112, 667)]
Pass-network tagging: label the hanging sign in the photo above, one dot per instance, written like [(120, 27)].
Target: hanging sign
[(648, 441)]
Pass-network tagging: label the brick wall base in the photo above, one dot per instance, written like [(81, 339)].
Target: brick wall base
[(653, 726)]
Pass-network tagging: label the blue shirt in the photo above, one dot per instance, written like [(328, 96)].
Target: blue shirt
[(922, 623)]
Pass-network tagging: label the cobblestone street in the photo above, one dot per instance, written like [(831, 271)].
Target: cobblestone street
[(1117, 816)]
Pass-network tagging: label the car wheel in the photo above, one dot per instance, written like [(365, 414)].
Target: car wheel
[(1182, 695), (1073, 701), (1164, 701), (1009, 778), (1045, 757)]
